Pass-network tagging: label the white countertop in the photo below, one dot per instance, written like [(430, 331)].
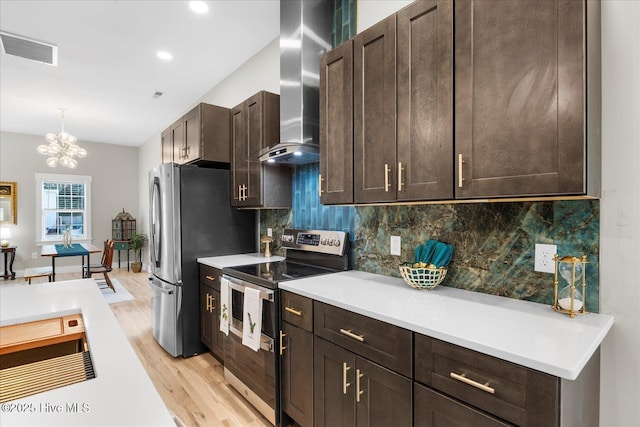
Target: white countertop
[(121, 394), (221, 262), (522, 332)]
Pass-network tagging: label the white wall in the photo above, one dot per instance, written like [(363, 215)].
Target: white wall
[(261, 72), (372, 11), (114, 169), (620, 213)]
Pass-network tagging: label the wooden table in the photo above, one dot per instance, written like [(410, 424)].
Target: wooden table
[(11, 252), (51, 251)]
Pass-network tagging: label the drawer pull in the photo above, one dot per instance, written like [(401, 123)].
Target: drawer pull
[(213, 279), (358, 391), (282, 348), (293, 311), (352, 335), (464, 379), (345, 384)]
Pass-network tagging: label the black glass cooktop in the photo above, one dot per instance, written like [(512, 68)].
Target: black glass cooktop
[(275, 272)]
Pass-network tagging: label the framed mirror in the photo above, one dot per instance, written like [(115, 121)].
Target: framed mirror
[(8, 203)]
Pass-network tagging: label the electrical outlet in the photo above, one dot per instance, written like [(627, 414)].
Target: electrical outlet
[(34, 255), (544, 258), (396, 245)]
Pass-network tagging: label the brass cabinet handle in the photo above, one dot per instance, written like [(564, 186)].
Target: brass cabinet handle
[(293, 311), (345, 384), (320, 179), (387, 169), (463, 378), (282, 348), (399, 176), (460, 163), (213, 279), (352, 335), (358, 391)]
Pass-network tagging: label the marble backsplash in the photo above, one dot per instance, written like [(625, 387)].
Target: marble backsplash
[(494, 243)]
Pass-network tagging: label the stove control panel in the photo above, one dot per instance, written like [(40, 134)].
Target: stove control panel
[(323, 241)]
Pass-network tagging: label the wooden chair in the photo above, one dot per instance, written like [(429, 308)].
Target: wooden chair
[(105, 266)]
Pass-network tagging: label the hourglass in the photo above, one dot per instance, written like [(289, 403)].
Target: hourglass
[(569, 299)]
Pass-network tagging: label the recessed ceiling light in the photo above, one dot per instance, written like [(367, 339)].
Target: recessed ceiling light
[(199, 6), (165, 55)]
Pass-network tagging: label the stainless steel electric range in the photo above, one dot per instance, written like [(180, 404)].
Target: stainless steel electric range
[(255, 374)]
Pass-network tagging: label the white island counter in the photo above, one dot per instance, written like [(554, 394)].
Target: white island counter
[(121, 394), (522, 332)]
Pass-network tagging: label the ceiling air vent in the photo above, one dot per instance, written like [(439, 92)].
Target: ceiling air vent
[(23, 47)]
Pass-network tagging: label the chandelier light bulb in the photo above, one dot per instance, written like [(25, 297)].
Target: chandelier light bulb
[(62, 148)]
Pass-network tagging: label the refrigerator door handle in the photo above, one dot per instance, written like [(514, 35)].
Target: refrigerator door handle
[(156, 222), (160, 288)]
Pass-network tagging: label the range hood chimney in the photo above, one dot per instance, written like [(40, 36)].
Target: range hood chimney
[(305, 35)]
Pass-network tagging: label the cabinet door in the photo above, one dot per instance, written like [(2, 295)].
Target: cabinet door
[(177, 137), (425, 101), (374, 150), (336, 125), (383, 398), (334, 376), (206, 316), (519, 84), (167, 146), (192, 134), (435, 409), (255, 116), (239, 156), (297, 374)]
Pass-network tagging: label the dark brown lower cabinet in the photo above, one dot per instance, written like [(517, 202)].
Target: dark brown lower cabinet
[(352, 391), (296, 374), (435, 409), (210, 334)]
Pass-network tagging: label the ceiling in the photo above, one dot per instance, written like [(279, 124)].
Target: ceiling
[(108, 70)]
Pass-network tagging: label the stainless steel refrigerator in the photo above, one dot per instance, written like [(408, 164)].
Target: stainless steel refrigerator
[(190, 216)]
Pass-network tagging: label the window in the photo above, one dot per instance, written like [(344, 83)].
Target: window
[(63, 203)]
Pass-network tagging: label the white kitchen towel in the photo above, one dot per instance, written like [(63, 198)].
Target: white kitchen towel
[(252, 319), (225, 311)]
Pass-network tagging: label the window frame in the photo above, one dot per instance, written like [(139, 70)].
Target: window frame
[(41, 178)]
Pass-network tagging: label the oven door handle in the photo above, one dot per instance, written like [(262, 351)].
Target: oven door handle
[(240, 286)]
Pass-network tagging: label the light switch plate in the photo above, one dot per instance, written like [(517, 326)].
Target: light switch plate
[(270, 232), (396, 246), (544, 258)]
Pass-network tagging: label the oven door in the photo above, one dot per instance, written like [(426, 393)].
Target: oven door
[(253, 373)]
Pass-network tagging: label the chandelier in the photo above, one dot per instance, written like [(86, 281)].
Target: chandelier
[(62, 149)]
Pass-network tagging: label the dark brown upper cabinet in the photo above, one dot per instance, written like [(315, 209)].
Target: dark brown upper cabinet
[(374, 148), (425, 101), (167, 146), (336, 130), (402, 110), (521, 98), (518, 115), (201, 136), (256, 125)]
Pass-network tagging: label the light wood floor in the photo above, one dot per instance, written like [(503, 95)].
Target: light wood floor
[(193, 389)]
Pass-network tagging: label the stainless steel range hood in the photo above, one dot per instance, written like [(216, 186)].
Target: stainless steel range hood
[(305, 35)]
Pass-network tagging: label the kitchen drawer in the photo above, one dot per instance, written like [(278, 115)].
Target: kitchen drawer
[(514, 393), (380, 342), (297, 310), (434, 409), (210, 276)]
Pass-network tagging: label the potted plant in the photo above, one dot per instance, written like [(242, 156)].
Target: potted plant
[(137, 242)]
